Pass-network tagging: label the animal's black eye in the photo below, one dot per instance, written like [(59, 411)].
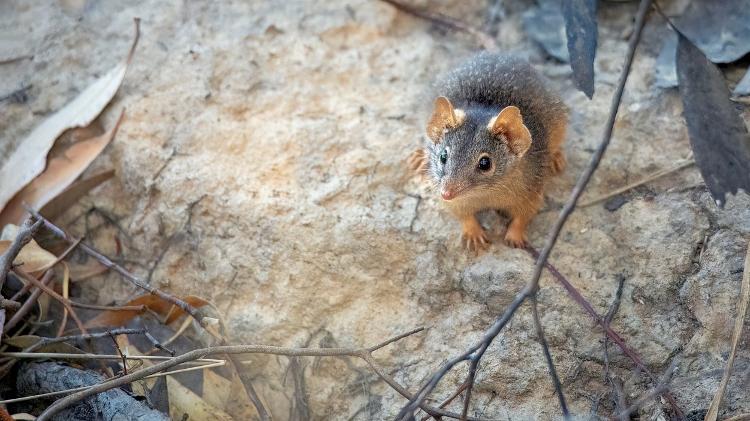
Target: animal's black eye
[(443, 156), (484, 163)]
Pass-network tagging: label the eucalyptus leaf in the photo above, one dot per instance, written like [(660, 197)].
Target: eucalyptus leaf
[(581, 29), (718, 135)]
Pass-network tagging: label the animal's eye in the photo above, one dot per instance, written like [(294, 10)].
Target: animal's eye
[(484, 163), (443, 156)]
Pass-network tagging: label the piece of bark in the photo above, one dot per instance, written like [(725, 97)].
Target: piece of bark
[(112, 405)]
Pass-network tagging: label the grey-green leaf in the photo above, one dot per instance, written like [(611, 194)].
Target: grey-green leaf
[(718, 136)]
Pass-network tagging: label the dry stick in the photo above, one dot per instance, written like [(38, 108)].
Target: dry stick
[(485, 39), (547, 355), (138, 308), (217, 363), (531, 287), (75, 338), (94, 357), (619, 399), (29, 303), (24, 235), (363, 353), (655, 176), (65, 302), (660, 388)]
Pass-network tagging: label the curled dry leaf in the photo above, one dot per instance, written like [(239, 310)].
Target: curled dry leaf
[(61, 172), (30, 158)]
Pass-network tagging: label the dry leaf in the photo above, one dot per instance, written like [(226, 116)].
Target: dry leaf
[(183, 401), (581, 30), (742, 303), (30, 158), (34, 258), (717, 132), (152, 302), (61, 172), (72, 194)]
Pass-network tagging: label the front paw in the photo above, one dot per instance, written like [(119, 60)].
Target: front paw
[(516, 239), (475, 240)]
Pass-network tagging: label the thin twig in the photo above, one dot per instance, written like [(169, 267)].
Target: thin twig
[(485, 40), (119, 352), (214, 364), (77, 338), (363, 353), (450, 398), (139, 308), (616, 387), (65, 302), (548, 357), (655, 176), (24, 235), (659, 389), (29, 303), (92, 357)]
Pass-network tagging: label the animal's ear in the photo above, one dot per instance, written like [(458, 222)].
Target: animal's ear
[(508, 126), (444, 117)]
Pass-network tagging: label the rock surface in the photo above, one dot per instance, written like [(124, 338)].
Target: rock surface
[(261, 166)]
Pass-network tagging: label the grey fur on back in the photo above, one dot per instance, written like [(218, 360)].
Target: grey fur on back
[(493, 81)]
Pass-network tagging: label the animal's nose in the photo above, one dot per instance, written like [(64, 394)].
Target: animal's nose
[(448, 192)]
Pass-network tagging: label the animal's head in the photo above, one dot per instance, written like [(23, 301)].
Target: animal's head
[(471, 149)]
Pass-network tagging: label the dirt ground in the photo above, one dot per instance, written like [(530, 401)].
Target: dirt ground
[(261, 166)]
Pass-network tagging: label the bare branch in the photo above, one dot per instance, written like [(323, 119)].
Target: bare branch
[(548, 357), (49, 291), (24, 235)]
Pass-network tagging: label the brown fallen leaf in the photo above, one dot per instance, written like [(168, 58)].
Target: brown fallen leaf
[(61, 172), (30, 158), (152, 303)]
